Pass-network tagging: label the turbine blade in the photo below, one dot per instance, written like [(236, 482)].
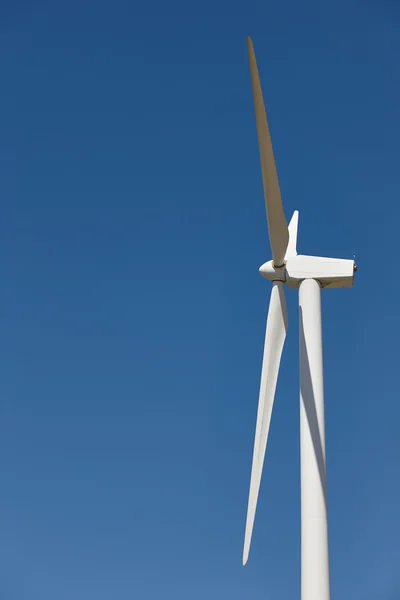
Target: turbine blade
[(277, 323), (277, 225), (292, 245)]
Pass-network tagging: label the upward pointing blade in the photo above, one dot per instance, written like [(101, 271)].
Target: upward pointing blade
[(277, 323), (291, 250), (277, 225)]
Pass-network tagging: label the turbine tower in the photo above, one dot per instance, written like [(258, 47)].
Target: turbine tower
[(308, 274)]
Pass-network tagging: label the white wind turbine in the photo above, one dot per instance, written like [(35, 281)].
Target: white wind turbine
[(309, 274)]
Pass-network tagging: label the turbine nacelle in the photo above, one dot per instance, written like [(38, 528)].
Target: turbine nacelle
[(329, 272)]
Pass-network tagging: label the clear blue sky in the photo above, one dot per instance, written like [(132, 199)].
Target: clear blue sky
[(132, 226)]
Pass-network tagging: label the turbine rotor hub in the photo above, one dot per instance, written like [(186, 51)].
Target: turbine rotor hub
[(273, 273)]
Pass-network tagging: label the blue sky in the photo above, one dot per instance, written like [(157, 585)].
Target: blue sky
[(132, 226)]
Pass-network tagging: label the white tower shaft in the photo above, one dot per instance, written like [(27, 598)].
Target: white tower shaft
[(314, 510)]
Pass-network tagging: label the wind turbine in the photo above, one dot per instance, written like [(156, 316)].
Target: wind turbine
[(309, 274)]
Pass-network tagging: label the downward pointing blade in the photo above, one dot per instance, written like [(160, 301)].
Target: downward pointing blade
[(277, 323), (277, 225)]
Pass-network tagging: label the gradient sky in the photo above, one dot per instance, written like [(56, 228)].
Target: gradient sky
[(132, 226)]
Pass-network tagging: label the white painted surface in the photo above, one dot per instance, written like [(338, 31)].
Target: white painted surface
[(330, 272), (277, 323), (314, 517), (292, 245), (269, 271)]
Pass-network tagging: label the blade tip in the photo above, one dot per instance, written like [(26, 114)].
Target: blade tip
[(246, 550)]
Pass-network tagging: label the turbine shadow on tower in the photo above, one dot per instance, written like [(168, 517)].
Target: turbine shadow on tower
[(307, 393)]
